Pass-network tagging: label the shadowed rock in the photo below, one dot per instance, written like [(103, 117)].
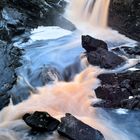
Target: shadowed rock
[(116, 89), (92, 44), (98, 54), (41, 121), (4, 100), (124, 16), (9, 61), (75, 129)]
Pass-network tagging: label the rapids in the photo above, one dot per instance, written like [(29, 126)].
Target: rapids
[(45, 48)]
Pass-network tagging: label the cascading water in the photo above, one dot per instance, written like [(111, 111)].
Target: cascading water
[(94, 12), (73, 97), (99, 15)]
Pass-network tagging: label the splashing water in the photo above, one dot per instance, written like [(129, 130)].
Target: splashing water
[(73, 97), (90, 11)]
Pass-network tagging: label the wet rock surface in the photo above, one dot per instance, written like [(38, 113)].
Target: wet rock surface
[(9, 61), (16, 17), (41, 121), (124, 16), (131, 52), (4, 100), (75, 129), (98, 54), (69, 127), (116, 89)]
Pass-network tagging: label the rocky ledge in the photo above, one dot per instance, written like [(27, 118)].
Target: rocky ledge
[(9, 61), (120, 90), (117, 90)]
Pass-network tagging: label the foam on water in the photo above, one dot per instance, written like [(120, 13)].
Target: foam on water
[(46, 33)]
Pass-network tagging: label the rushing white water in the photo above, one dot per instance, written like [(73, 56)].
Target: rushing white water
[(94, 12), (60, 48), (73, 97)]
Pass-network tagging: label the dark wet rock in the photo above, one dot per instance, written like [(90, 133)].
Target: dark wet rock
[(98, 54), (133, 103), (91, 44), (75, 129), (115, 89), (41, 121), (4, 100), (124, 16), (105, 104), (9, 61), (131, 52), (11, 23), (18, 16)]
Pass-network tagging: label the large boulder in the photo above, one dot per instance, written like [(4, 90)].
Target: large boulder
[(98, 54), (91, 44), (41, 121), (75, 129)]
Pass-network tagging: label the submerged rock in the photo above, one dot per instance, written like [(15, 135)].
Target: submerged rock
[(116, 89), (44, 75), (9, 61), (98, 54), (75, 129), (41, 121)]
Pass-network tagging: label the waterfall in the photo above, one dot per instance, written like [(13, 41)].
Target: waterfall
[(94, 12)]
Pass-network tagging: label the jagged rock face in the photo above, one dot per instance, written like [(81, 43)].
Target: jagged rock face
[(75, 129), (124, 17), (98, 54), (116, 89), (18, 16), (9, 61)]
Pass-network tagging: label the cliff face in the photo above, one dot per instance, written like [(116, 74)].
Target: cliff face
[(125, 17), (18, 15)]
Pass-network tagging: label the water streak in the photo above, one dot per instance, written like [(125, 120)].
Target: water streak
[(90, 11)]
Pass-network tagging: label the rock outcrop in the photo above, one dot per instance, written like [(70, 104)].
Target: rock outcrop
[(124, 16), (97, 53), (119, 90), (75, 129)]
